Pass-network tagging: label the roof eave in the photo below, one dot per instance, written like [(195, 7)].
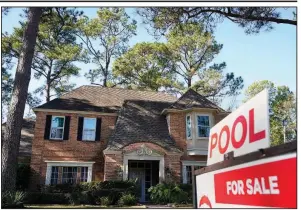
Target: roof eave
[(73, 111), (166, 111)]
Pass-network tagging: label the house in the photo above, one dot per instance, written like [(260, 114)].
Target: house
[(96, 133), (27, 133)]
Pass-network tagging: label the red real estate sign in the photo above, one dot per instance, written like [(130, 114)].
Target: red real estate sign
[(270, 184)]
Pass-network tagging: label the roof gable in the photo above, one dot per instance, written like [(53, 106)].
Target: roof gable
[(192, 99), (141, 121)]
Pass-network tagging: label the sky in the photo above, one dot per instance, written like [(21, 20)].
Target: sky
[(265, 56)]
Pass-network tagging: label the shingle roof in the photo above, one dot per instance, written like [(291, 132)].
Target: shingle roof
[(141, 121), (192, 99), (102, 99), (27, 134)]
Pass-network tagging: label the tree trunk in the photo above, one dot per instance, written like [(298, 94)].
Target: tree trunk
[(105, 82), (11, 141), (189, 82), (47, 92)]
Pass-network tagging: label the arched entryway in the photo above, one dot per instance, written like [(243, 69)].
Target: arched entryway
[(146, 164)]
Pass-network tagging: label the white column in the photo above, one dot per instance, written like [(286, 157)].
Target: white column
[(184, 171), (89, 174), (125, 167), (161, 170), (48, 174)]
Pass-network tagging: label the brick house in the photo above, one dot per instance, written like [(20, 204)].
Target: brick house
[(95, 133)]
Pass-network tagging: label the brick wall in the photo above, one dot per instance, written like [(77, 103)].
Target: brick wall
[(114, 161), (68, 150), (178, 129)]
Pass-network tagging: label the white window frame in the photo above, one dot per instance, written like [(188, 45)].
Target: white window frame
[(84, 129), (197, 125), (190, 163), (57, 127), (68, 164), (191, 131)]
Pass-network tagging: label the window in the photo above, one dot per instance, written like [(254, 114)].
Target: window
[(84, 174), (189, 173), (54, 175), (57, 127), (68, 172), (69, 175), (188, 127), (89, 129), (203, 126)]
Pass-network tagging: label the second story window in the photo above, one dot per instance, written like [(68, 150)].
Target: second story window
[(203, 126), (188, 127), (57, 127), (89, 129)]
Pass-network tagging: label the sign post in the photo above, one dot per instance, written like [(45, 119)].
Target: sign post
[(243, 171)]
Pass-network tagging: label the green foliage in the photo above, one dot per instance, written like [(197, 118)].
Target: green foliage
[(146, 66), (194, 49), (90, 192), (23, 177), (185, 57), (76, 197), (127, 200), (252, 19), (13, 199), (104, 201), (56, 50), (105, 37), (282, 104), (46, 198), (164, 193), (6, 77)]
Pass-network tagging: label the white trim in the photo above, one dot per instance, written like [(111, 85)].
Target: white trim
[(73, 111), (186, 163), (197, 125), (67, 164), (84, 129), (194, 163), (212, 110), (188, 115), (53, 116), (197, 152), (126, 159)]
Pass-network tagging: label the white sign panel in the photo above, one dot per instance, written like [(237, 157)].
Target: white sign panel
[(243, 131), (270, 182)]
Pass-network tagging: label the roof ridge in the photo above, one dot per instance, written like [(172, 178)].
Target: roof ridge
[(137, 90)]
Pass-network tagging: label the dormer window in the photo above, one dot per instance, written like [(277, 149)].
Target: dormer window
[(203, 126), (188, 127)]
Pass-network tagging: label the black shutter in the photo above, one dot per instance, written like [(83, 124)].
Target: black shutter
[(66, 128), (47, 127), (80, 128), (98, 129)]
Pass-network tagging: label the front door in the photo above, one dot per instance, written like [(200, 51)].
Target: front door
[(139, 174)]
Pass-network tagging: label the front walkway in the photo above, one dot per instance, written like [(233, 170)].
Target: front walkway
[(153, 206)]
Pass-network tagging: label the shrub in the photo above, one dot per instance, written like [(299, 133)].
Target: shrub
[(76, 198), (104, 201), (127, 200), (168, 193), (23, 177), (13, 199), (59, 188), (90, 193), (46, 198)]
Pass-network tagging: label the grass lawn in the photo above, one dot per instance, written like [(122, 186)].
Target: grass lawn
[(58, 206), (185, 206)]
